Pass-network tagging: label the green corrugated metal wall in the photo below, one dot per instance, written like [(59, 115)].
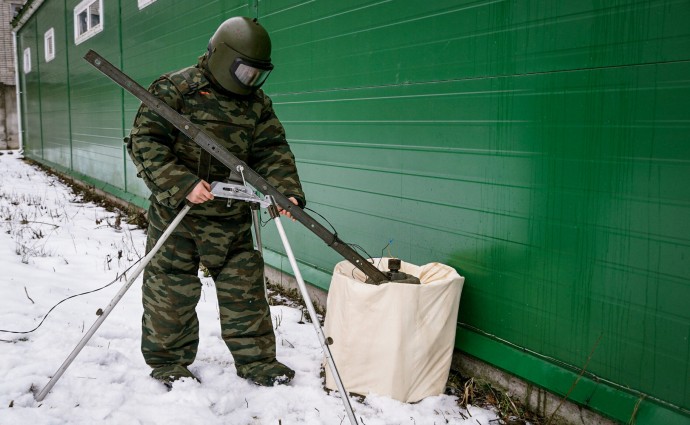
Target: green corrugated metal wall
[(541, 148), (30, 88), (54, 93)]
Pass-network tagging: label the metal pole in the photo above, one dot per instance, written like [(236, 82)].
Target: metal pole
[(41, 395), (256, 219), (312, 315)]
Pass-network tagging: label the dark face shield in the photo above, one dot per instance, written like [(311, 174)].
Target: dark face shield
[(249, 74)]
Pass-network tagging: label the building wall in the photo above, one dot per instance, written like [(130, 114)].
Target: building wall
[(9, 132), (8, 8), (537, 147)]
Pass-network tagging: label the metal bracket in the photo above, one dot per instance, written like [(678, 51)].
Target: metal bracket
[(238, 191)]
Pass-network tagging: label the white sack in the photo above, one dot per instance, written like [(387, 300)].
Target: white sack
[(393, 339)]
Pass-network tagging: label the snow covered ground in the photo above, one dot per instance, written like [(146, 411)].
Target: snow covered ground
[(53, 246)]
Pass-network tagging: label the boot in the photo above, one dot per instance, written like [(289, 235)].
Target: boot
[(168, 374), (266, 374)]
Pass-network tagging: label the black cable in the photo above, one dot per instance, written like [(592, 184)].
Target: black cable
[(70, 297), (335, 235), (383, 249), (335, 232), (358, 247)]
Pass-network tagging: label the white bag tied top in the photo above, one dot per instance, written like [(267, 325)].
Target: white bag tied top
[(393, 339)]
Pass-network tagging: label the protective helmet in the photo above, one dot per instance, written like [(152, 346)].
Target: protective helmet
[(239, 55)]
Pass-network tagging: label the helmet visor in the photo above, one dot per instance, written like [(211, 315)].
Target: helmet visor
[(250, 74)]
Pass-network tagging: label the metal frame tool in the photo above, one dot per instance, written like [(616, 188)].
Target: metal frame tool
[(240, 192), (272, 197)]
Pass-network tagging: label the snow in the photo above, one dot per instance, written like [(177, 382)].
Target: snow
[(53, 246)]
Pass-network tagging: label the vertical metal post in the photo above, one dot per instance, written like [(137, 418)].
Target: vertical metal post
[(256, 220), (68, 361)]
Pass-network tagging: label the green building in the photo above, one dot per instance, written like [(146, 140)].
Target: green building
[(542, 148)]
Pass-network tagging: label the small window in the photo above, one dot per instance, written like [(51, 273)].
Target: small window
[(88, 20), (144, 3), (26, 63), (49, 44)]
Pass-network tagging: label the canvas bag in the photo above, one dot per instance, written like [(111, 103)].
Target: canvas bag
[(393, 339)]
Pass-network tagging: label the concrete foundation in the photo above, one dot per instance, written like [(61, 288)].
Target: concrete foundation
[(276, 277), (534, 398)]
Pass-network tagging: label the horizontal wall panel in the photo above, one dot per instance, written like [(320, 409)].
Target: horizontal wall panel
[(370, 43)]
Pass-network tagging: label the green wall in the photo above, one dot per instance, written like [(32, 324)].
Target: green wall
[(541, 148), (54, 94), (30, 89)]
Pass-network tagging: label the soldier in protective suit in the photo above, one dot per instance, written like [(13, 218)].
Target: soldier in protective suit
[(222, 95)]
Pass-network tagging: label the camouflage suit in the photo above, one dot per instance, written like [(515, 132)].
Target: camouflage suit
[(213, 233)]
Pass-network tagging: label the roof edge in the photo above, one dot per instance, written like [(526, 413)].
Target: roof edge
[(25, 13)]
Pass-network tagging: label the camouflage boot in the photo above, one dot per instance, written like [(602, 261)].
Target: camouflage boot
[(168, 374), (266, 374)]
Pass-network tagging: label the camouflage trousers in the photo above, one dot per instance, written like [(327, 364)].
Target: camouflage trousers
[(171, 291)]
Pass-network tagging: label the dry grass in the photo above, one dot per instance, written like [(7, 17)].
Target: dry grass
[(84, 193), (480, 393), (278, 295)]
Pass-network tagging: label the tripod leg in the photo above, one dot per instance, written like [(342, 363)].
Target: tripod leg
[(314, 318), (41, 395), (256, 220)]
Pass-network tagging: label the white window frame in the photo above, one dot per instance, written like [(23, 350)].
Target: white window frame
[(26, 62), (143, 3), (49, 44), (91, 29)]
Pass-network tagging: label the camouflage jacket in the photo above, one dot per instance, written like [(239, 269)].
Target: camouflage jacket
[(171, 164)]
